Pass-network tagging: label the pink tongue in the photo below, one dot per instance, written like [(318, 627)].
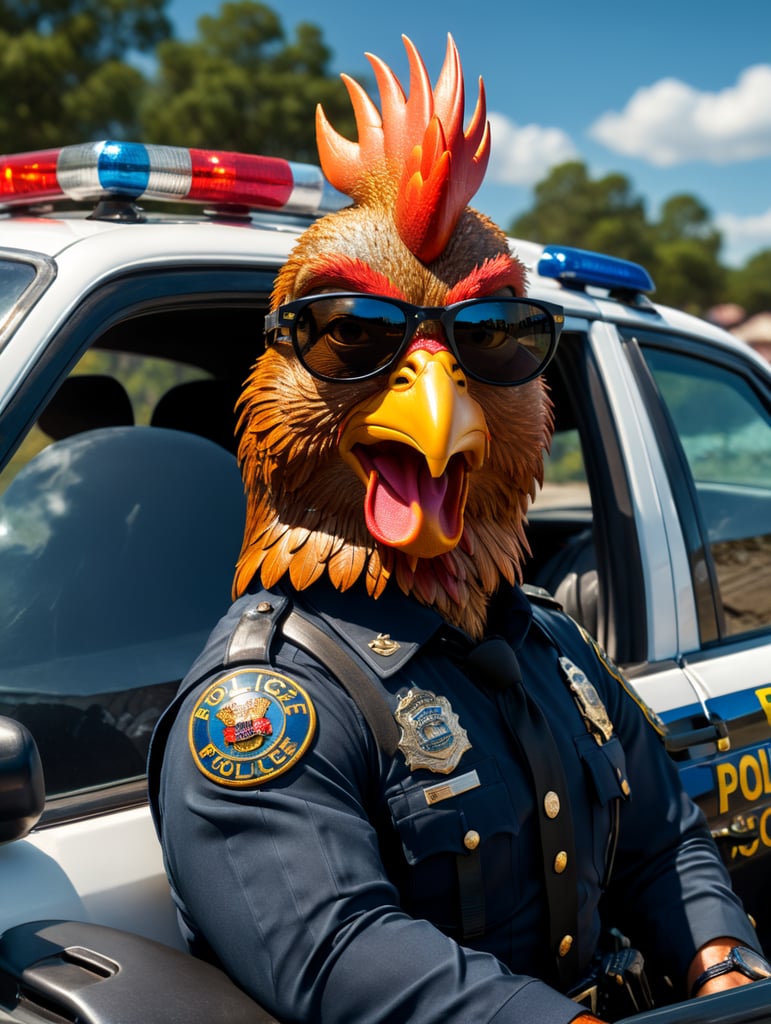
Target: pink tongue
[(400, 482)]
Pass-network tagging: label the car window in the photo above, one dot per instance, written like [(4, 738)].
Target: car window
[(561, 521), (724, 429), (116, 555), (565, 484), (14, 278), (22, 281), (144, 380), (121, 517)]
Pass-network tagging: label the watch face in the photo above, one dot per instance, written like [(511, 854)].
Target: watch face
[(752, 963)]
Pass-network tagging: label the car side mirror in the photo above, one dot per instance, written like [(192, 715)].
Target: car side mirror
[(22, 787)]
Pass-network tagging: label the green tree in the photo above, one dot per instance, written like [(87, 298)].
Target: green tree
[(572, 209), (686, 265), (66, 71), (750, 285), (684, 216), (687, 275), (241, 85), (681, 250)]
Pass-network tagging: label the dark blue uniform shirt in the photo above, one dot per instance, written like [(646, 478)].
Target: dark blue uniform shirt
[(323, 872)]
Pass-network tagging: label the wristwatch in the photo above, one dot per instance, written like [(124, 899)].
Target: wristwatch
[(741, 959)]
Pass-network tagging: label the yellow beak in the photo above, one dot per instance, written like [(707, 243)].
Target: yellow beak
[(413, 445)]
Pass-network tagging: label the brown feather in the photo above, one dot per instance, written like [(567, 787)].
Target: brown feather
[(305, 567), (305, 506), (346, 565), (305, 513)]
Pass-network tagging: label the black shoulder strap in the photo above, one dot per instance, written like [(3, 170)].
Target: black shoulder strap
[(351, 676), (250, 641)]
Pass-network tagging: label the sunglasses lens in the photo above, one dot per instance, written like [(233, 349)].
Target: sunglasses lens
[(505, 341), (348, 337)]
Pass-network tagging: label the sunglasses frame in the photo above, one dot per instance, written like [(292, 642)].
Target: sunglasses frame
[(286, 316)]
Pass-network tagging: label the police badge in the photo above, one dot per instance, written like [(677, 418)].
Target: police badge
[(588, 700), (431, 734)]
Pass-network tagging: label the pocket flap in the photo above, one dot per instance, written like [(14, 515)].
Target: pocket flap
[(427, 828)]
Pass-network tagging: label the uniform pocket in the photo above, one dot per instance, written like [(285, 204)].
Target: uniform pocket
[(433, 835), (606, 767)]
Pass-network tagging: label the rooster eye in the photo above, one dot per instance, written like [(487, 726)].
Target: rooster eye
[(481, 336), (347, 330)]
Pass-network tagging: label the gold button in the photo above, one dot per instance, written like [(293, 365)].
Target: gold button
[(560, 862), (471, 839), (625, 788), (565, 945), (551, 804)]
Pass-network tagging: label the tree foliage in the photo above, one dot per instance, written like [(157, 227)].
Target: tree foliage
[(751, 285), (572, 209), (241, 85), (681, 249), (80, 70), (65, 75)]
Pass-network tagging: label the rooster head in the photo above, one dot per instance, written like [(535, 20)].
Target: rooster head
[(371, 448)]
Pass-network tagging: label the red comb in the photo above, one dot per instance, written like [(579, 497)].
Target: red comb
[(417, 156)]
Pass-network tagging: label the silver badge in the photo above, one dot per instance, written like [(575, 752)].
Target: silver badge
[(588, 700), (431, 734)]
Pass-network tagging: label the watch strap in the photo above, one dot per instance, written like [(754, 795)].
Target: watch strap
[(733, 962), (715, 971)]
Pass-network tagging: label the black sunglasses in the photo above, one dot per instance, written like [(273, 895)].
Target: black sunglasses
[(352, 336)]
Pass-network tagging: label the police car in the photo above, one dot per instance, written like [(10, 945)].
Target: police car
[(125, 337)]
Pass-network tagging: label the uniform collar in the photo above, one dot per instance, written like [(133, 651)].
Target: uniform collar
[(387, 632)]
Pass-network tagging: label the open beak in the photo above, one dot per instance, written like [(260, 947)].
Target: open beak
[(413, 446)]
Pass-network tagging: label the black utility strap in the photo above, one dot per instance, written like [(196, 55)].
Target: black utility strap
[(250, 641), (471, 890), (351, 676), (494, 664)]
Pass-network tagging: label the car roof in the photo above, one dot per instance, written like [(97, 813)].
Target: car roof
[(53, 235), (268, 237)]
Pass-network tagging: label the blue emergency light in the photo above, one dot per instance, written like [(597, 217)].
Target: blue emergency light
[(577, 268)]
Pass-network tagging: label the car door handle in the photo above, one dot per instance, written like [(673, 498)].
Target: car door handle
[(693, 731)]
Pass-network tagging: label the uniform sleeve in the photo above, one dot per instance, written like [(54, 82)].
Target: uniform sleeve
[(669, 889), (285, 883)]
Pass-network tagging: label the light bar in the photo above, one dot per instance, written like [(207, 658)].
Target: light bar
[(131, 170), (579, 267)]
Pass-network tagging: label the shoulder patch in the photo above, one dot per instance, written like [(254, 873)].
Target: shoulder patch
[(249, 726)]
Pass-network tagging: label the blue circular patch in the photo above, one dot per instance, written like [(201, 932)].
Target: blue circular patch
[(250, 726)]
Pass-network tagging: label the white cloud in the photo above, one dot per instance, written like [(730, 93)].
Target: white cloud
[(670, 122), (744, 236), (523, 155)]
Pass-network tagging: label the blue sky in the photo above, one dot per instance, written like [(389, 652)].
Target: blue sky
[(674, 94)]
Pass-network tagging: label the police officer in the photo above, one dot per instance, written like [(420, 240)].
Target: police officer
[(338, 877), (394, 787)]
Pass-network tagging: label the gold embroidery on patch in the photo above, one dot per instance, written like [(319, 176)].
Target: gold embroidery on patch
[(249, 726)]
